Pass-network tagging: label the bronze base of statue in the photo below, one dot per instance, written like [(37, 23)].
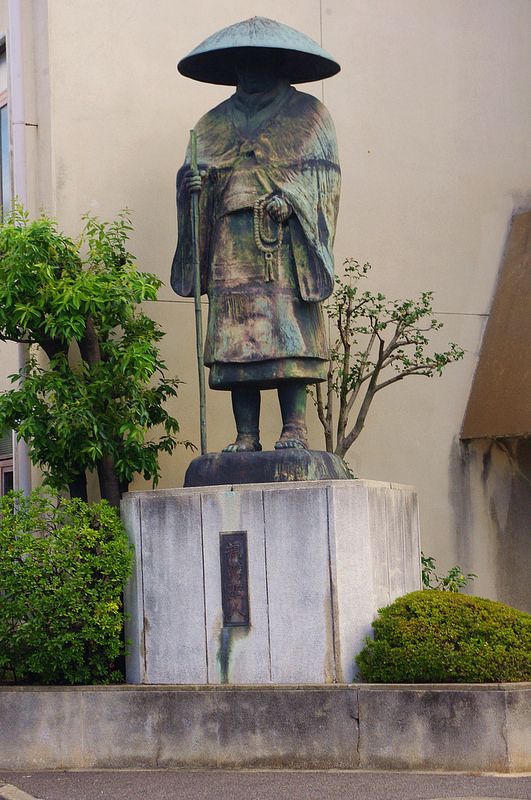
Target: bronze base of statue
[(272, 466)]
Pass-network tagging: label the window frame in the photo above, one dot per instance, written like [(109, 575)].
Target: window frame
[(7, 467)]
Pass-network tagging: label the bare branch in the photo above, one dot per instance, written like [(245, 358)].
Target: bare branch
[(319, 404), (329, 409), (17, 340), (393, 344), (420, 370), (361, 378), (341, 329)]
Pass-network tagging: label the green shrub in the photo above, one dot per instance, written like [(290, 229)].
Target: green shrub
[(453, 581), (445, 637), (63, 565)]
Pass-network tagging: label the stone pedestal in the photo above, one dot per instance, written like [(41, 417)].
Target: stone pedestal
[(321, 558)]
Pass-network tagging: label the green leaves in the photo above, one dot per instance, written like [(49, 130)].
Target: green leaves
[(103, 391), (379, 342), (453, 581), (63, 565), (71, 416), (50, 284), (445, 637), (34, 261)]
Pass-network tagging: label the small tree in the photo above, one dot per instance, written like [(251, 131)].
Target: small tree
[(95, 402), (380, 342)]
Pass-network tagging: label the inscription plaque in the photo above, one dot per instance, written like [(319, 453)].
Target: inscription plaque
[(234, 581)]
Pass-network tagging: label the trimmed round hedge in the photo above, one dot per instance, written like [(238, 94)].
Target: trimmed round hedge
[(445, 637)]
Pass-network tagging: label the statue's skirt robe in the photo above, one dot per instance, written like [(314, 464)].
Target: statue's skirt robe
[(265, 322)]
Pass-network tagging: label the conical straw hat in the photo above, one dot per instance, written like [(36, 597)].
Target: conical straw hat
[(294, 55)]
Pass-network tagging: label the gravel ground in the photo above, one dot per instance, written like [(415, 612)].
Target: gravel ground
[(265, 785)]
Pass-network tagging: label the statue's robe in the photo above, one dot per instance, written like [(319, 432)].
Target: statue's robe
[(265, 321)]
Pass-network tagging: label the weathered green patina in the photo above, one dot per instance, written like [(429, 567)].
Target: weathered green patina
[(268, 204), (215, 60)]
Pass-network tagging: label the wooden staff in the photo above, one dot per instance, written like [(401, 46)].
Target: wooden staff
[(194, 219)]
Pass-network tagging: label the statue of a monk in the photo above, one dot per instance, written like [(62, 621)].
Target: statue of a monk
[(268, 180)]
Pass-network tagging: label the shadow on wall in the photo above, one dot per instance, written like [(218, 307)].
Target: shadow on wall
[(490, 495)]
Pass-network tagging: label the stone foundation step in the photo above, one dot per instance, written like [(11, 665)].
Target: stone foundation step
[(468, 727)]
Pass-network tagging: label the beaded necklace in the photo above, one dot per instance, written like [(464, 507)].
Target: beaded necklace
[(268, 245)]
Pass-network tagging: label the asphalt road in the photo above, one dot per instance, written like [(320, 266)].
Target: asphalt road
[(266, 785)]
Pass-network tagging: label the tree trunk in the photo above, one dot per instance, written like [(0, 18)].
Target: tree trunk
[(78, 487), (324, 416), (109, 484), (89, 347), (53, 347)]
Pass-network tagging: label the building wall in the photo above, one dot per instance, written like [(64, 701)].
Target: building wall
[(8, 351), (433, 114)]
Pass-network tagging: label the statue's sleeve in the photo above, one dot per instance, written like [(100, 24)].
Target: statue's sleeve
[(312, 230), (182, 269), (312, 188)]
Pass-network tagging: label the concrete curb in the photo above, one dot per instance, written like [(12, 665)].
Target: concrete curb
[(10, 792), (459, 727)]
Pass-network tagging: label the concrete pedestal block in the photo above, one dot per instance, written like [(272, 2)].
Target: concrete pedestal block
[(322, 557)]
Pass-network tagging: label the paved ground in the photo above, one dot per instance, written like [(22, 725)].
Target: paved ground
[(265, 785)]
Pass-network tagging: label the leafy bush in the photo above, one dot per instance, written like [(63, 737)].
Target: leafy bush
[(445, 637), (63, 565), (453, 581)]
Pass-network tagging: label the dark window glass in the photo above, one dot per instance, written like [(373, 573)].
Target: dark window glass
[(6, 475), (7, 480)]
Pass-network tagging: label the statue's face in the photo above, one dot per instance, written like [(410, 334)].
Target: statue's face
[(253, 81), (256, 73)]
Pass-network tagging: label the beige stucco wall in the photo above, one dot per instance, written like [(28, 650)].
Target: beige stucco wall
[(433, 115)]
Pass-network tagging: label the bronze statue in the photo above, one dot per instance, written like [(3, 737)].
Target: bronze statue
[(268, 180)]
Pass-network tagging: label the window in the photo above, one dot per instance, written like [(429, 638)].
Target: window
[(6, 437), (5, 168), (5, 182), (6, 462)]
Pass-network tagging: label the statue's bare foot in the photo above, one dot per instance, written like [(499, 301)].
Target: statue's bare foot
[(245, 443), (295, 444), (295, 439)]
